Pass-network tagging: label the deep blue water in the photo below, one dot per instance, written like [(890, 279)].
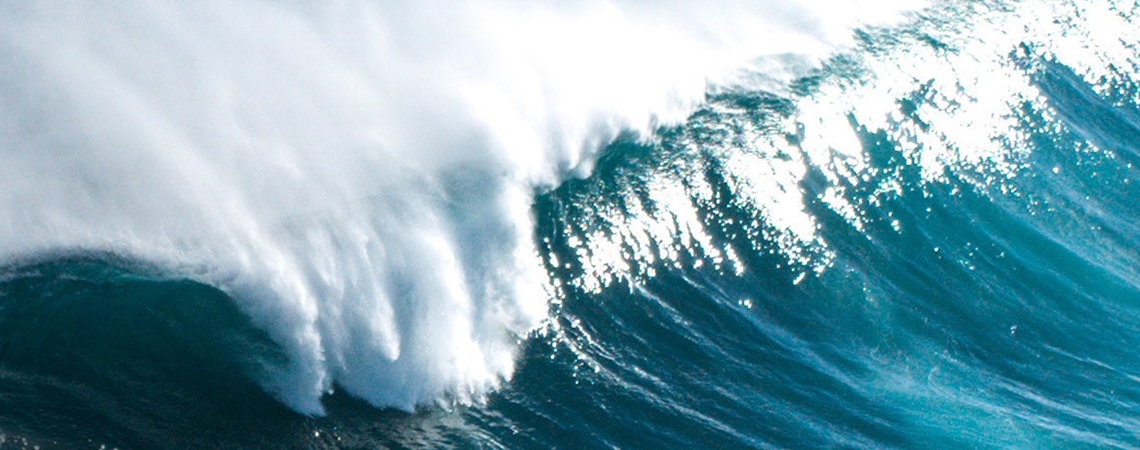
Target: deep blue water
[(929, 302)]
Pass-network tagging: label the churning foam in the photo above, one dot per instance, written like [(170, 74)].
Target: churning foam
[(358, 175)]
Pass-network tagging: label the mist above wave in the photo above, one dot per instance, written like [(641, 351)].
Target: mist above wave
[(357, 175)]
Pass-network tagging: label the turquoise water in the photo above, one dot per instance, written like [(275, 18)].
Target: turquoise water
[(929, 241)]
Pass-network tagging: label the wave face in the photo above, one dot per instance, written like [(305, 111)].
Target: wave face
[(758, 225)]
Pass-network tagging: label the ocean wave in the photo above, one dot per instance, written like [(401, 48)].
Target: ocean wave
[(357, 176)]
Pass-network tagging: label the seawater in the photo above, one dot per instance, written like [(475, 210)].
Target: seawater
[(921, 234)]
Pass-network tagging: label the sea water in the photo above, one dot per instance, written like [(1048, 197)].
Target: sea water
[(606, 224)]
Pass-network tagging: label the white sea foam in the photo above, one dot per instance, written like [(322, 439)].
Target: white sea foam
[(357, 175)]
